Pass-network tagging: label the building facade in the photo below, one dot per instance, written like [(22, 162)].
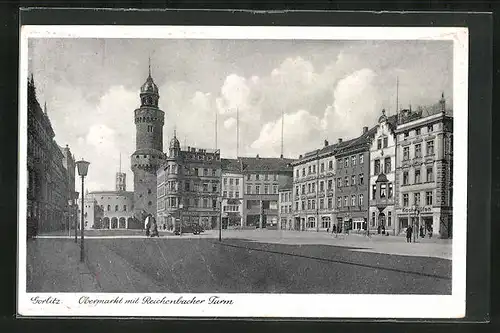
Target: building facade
[(382, 215), (314, 189), (50, 171), (285, 219), (232, 193), (424, 171), (148, 156), (352, 181), (189, 187), (261, 180)]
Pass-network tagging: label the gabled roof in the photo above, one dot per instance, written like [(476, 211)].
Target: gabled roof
[(250, 164), (229, 164)]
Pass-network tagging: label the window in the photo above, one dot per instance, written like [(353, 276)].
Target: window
[(322, 167), (330, 203), (430, 147), (430, 128), (309, 170), (205, 203), (353, 200), (150, 203), (150, 128), (339, 182), (266, 189), (346, 201), (296, 205), (237, 181), (236, 194), (373, 219), (321, 203), (406, 153), (417, 131), (346, 181), (297, 173), (406, 134), (361, 159), (390, 191), (314, 168), (346, 162), (389, 219), (303, 205), (275, 189), (309, 188), (149, 191), (376, 168), (387, 165), (330, 184), (339, 202), (330, 165), (322, 186), (124, 208), (248, 177), (353, 160), (249, 189), (214, 172), (383, 190), (405, 200), (353, 180), (297, 190), (109, 208), (116, 208), (430, 174), (361, 179), (418, 150), (205, 187), (230, 194), (231, 181), (256, 177), (309, 204), (303, 172), (386, 142), (416, 199), (257, 189), (205, 172), (405, 177), (374, 191), (275, 177), (360, 200), (428, 198), (224, 194), (379, 144), (303, 188), (214, 187), (417, 176)]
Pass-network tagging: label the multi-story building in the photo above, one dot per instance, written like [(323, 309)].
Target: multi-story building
[(189, 187), (261, 180), (285, 206), (232, 193), (382, 166), (148, 156), (353, 172), (49, 190), (69, 187), (424, 171), (314, 189)]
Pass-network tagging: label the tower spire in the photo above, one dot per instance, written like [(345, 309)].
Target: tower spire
[(175, 131), (149, 66)]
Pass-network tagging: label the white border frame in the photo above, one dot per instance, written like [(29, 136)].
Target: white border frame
[(268, 305)]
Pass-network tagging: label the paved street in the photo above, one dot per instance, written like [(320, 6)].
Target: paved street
[(245, 262)]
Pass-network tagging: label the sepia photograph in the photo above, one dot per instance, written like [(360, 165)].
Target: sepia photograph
[(250, 171)]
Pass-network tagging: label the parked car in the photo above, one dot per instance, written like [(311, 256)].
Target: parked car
[(195, 229)]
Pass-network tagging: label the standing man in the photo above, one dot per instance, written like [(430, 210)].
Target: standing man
[(409, 231), (147, 224)]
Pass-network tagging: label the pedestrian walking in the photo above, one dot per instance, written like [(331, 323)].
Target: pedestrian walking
[(422, 235), (147, 224), (408, 234), (154, 227)]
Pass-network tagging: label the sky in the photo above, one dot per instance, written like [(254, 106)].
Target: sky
[(320, 89)]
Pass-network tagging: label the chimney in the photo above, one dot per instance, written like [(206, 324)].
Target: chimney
[(281, 156), (300, 156), (365, 129), (326, 143), (257, 156), (340, 140)]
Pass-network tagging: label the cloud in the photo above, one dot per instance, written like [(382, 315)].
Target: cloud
[(229, 123)]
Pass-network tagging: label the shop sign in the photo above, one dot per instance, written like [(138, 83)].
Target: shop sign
[(414, 210)]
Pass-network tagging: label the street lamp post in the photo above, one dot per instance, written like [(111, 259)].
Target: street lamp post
[(83, 167), (76, 217), (181, 206), (220, 219)]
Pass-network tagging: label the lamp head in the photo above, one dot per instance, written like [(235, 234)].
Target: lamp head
[(83, 167)]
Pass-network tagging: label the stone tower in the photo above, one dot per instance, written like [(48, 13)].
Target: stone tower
[(148, 155)]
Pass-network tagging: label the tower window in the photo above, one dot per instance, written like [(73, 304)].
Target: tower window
[(149, 191), (150, 203), (150, 128)]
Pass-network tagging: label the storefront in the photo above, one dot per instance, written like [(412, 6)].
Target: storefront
[(434, 221)]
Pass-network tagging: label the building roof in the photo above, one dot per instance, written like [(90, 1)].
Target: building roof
[(258, 164), (287, 185), (112, 192), (229, 164)]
